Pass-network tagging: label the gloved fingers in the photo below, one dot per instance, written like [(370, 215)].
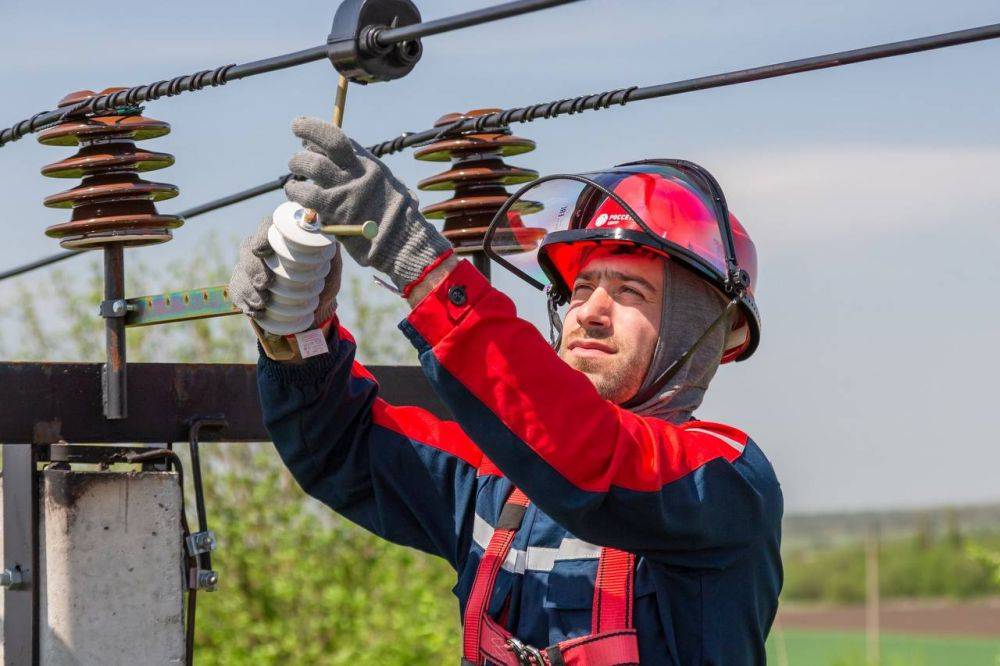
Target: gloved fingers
[(311, 195), (370, 164), (317, 168), (245, 291), (257, 243), (328, 297), (326, 136), (361, 152), (250, 301), (254, 270)]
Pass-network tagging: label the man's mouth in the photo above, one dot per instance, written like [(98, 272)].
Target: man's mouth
[(590, 348)]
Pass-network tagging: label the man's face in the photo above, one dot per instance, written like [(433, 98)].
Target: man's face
[(613, 321)]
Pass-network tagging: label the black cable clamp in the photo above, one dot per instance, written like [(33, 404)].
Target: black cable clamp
[(355, 49)]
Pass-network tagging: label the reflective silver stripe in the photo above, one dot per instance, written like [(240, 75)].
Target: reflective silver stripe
[(728, 440), (536, 558)]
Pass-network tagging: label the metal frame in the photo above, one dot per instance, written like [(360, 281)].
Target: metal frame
[(62, 402)]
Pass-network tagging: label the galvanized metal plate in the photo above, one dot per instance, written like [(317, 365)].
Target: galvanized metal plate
[(179, 306)]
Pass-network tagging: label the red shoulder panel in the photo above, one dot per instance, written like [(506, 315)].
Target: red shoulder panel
[(505, 363)]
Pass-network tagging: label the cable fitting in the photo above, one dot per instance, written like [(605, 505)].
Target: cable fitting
[(354, 47)]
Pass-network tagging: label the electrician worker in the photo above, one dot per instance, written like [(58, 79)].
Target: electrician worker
[(590, 518)]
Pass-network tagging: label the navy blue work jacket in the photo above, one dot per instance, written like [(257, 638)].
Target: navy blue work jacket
[(698, 503)]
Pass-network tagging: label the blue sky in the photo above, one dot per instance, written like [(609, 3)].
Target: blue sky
[(871, 190)]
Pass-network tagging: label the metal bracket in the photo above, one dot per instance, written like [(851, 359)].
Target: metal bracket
[(65, 453), (200, 544)]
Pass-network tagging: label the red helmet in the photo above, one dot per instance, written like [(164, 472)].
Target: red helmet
[(671, 207)]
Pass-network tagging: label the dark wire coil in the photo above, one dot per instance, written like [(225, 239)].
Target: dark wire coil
[(127, 98), (501, 119)]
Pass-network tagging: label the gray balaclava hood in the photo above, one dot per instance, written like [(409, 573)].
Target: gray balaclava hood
[(690, 305)]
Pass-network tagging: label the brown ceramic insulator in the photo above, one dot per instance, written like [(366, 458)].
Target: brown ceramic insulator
[(504, 144), (478, 177), (481, 172), (112, 205), (103, 158)]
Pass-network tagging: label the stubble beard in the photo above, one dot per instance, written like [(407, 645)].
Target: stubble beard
[(613, 377)]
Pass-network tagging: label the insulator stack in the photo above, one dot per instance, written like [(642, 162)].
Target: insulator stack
[(300, 262), (478, 176), (112, 205)]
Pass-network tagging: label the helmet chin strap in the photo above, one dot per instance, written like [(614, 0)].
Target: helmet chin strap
[(671, 370), (552, 301)]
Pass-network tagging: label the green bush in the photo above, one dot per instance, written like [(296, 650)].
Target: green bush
[(300, 585), (908, 567)]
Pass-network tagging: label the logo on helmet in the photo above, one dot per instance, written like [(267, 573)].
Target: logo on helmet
[(612, 219)]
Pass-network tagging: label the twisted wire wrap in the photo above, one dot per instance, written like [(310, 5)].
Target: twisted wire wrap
[(123, 98), (522, 114)]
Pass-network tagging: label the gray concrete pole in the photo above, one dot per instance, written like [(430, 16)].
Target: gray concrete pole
[(111, 569)]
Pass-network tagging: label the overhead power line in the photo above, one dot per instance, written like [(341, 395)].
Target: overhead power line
[(221, 75), (625, 95), (597, 101)]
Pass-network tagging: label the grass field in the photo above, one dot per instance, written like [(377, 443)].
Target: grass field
[(799, 647)]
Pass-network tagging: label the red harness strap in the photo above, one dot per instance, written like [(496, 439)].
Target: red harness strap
[(486, 575), (612, 641), (613, 593)]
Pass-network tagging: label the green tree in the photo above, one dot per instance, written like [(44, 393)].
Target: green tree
[(298, 584)]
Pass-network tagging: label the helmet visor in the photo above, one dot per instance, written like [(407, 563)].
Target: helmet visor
[(657, 206)]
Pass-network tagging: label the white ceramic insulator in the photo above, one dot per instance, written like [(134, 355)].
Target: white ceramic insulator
[(301, 262)]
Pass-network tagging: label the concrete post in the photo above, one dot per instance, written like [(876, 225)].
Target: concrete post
[(111, 568)]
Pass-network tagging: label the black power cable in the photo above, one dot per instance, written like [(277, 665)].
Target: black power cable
[(603, 101), (625, 95), (222, 75), (458, 21)]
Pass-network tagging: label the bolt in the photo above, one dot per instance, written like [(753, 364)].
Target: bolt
[(205, 541), (308, 219), (118, 306), (11, 577), (207, 580)]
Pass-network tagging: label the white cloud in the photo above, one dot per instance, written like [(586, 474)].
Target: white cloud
[(809, 194)]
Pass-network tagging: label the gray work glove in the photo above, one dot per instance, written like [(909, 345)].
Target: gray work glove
[(347, 185), (251, 277)]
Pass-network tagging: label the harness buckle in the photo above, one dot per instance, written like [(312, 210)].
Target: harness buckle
[(526, 654)]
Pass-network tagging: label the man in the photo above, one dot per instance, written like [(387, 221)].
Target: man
[(589, 518)]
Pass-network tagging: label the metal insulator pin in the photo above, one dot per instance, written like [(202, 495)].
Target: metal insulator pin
[(368, 229)]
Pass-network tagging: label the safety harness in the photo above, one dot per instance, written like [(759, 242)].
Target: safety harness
[(612, 640)]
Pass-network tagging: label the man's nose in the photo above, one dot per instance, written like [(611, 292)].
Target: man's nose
[(595, 312)]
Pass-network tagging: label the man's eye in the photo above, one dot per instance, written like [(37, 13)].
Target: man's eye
[(633, 292), (581, 290)]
